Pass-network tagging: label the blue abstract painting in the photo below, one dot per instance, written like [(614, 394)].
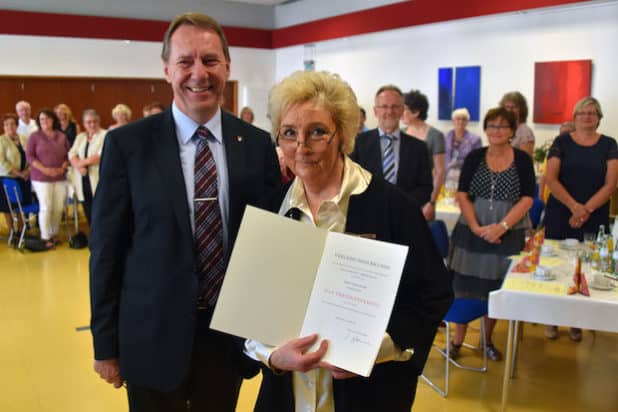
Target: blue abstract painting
[(445, 93), (468, 90), (459, 89)]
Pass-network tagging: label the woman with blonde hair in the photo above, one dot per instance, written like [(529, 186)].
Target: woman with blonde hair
[(315, 119), (68, 125), (121, 113)]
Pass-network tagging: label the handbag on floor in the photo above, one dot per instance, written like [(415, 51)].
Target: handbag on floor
[(78, 240)]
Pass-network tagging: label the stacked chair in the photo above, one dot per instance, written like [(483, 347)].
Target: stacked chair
[(19, 212)]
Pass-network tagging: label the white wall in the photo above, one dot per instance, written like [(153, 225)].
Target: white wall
[(254, 69), (506, 47)]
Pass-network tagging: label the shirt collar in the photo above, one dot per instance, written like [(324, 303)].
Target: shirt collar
[(395, 135), (186, 127), (355, 181)]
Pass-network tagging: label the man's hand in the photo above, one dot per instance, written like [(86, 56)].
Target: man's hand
[(293, 356), (109, 371)]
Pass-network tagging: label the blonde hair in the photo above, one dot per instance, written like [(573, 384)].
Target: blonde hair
[(461, 112), (119, 109), (328, 91), (63, 107), (585, 102)]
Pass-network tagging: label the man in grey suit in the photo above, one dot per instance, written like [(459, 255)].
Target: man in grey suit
[(391, 154), (172, 191)]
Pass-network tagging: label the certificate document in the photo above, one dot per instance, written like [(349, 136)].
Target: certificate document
[(287, 279)]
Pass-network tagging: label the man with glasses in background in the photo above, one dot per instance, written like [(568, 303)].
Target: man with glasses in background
[(391, 154)]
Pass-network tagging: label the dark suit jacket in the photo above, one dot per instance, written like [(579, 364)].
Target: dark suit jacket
[(143, 284), (414, 173), (423, 298)]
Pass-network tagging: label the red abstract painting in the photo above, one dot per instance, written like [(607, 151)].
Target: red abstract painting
[(557, 87)]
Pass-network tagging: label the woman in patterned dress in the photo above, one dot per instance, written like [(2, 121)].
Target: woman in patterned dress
[(495, 193)]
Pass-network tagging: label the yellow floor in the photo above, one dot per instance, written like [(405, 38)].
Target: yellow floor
[(46, 365)]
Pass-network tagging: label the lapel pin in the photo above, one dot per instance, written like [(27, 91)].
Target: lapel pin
[(239, 138)]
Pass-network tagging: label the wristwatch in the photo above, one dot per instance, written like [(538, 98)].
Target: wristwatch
[(505, 225)]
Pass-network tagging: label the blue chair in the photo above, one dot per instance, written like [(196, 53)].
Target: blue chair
[(18, 210), (536, 211), (440, 236), (463, 310)]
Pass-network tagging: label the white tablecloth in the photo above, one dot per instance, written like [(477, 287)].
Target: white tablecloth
[(598, 312), (447, 212)]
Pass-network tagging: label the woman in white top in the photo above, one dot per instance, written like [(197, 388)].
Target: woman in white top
[(13, 162), (85, 156)]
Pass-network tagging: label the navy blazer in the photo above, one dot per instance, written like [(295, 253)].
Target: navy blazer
[(414, 173), (143, 283), (424, 296)]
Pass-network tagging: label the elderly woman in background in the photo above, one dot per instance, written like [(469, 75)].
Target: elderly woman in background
[(47, 155), (495, 192), (415, 110), (315, 119), (459, 143), (85, 156), (515, 102), (121, 113), (582, 170), (246, 115), (13, 163), (68, 125)]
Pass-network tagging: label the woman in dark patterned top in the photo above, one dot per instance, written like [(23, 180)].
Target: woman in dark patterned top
[(495, 192), (581, 172)]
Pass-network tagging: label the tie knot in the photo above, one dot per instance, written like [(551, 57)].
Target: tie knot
[(202, 132), (389, 137)]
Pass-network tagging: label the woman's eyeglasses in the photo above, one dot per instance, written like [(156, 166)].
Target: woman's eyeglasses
[(497, 127), (315, 137)]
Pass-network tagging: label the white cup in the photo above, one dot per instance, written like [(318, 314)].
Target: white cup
[(600, 281), (547, 250)]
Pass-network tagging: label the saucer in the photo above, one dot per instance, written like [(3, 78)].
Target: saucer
[(569, 245), (601, 287), (547, 277)]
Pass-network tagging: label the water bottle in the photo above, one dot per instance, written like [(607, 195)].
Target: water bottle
[(615, 260), (604, 263)]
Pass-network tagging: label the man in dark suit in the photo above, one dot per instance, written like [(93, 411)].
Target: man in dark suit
[(172, 191), (389, 153)]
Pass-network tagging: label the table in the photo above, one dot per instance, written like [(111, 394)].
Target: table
[(447, 211), (596, 312)]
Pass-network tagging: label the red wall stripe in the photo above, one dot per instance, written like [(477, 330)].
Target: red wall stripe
[(399, 15), (393, 16)]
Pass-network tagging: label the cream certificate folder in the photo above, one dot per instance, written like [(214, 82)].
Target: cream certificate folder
[(287, 279)]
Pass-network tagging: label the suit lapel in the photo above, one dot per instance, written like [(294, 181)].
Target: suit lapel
[(233, 141), (375, 153), (167, 157), (404, 157)]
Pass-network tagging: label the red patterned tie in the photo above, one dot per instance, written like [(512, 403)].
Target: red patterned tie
[(208, 225)]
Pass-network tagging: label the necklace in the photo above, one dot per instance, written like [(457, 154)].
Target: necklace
[(492, 177)]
